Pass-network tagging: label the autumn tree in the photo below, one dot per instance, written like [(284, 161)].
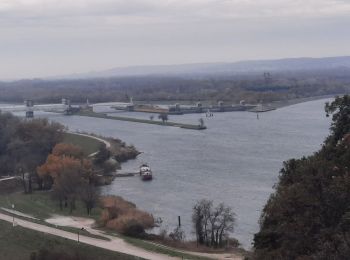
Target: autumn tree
[(68, 150), (69, 174), (68, 178)]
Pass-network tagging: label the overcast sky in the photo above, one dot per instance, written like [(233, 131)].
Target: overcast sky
[(54, 37)]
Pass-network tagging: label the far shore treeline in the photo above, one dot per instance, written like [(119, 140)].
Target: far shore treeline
[(232, 88)]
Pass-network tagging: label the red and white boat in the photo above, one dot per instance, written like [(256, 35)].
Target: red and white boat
[(145, 172)]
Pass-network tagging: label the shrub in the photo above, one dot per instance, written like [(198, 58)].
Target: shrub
[(177, 235), (134, 229), (124, 217)]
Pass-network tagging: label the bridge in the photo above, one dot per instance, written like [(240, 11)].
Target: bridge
[(28, 107)]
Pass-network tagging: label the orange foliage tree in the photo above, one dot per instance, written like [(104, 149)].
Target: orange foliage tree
[(67, 172)]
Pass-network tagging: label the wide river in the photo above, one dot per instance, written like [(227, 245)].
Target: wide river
[(235, 161)]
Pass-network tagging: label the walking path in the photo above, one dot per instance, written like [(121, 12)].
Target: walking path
[(15, 212), (115, 244), (8, 178)]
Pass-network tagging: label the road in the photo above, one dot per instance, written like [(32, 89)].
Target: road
[(116, 244)]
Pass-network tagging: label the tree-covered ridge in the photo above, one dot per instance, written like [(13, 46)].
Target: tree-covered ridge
[(308, 216), (231, 88), (25, 144)]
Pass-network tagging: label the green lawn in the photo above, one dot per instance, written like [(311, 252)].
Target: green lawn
[(17, 243), (162, 249), (40, 205), (87, 144)]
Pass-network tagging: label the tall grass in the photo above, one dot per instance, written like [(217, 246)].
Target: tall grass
[(121, 215)]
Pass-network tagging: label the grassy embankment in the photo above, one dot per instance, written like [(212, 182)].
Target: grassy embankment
[(17, 243), (144, 121), (40, 205), (162, 249), (87, 144)]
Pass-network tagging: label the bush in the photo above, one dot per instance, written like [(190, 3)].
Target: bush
[(123, 216), (177, 235), (134, 229)]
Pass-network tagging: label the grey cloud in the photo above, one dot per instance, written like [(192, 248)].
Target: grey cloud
[(64, 37)]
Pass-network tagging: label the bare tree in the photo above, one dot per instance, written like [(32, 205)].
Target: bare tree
[(163, 117), (89, 196), (200, 217), (177, 235), (211, 224), (201, 122)]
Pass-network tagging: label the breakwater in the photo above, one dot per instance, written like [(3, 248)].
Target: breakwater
[(144, 121)]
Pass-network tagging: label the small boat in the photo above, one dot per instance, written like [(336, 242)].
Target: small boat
[(145, 172)]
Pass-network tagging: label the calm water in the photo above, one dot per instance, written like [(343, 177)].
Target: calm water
[(236, 160)]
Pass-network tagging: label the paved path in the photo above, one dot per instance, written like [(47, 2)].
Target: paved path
[(15, 212), (8, 178), (116, 244)]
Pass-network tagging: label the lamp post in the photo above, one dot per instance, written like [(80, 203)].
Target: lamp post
[(13, 215), (82, 229)]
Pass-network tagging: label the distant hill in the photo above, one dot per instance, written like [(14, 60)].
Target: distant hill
[(253, 66)]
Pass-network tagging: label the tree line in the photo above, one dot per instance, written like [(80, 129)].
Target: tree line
[(253, 88), (25, 144), (34, 150), (308, 215)]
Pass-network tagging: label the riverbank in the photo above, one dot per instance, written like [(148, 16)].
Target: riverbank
[(91, 145), (36, 211), (290, 102)]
